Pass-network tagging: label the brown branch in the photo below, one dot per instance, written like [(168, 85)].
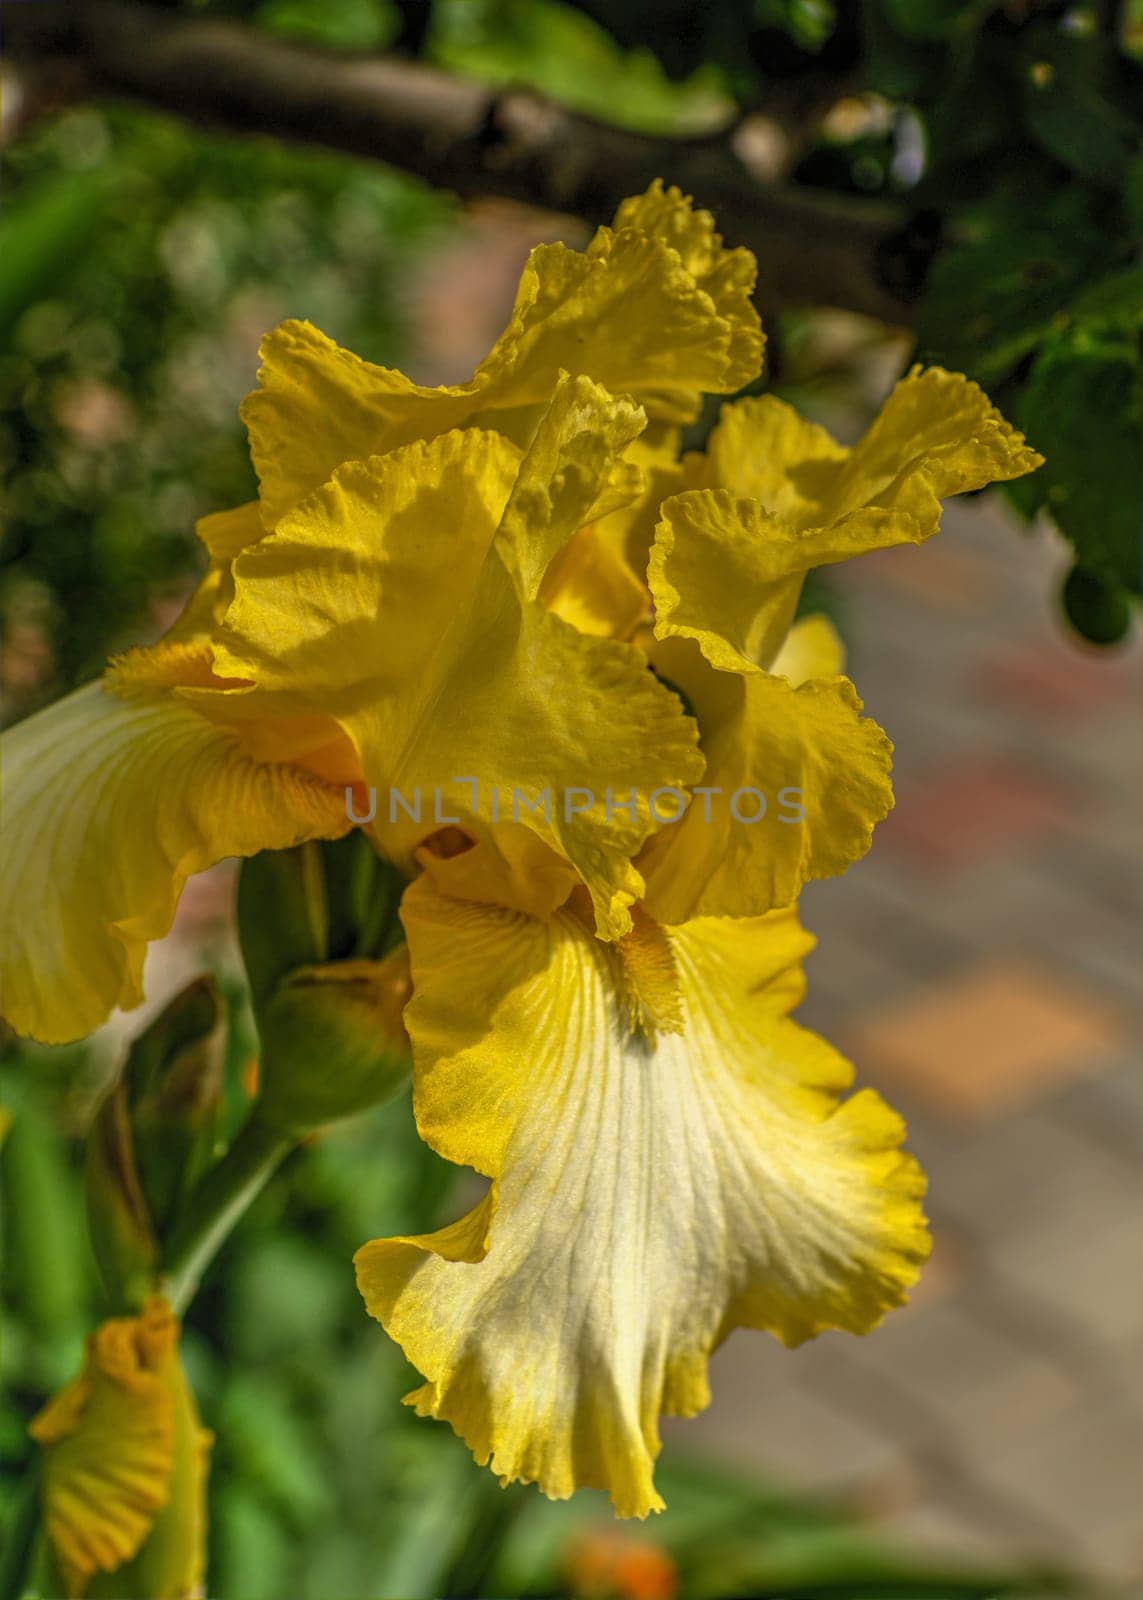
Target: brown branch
[(813, 248)]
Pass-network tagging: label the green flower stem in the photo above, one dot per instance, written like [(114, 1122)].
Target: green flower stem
[(217, 1203)]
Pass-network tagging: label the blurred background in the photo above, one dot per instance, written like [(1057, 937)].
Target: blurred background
[(978, 165)]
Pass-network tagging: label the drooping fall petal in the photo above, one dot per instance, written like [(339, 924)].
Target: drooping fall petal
[(110, 803), (662, 1172)]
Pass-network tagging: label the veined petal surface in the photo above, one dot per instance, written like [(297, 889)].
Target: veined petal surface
[(652, 1189), (109, 804)]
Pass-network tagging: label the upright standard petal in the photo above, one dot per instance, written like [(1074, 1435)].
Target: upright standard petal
[(662, 1172), (781, 497), (110, 803), (817, 502), (654, 308), (401, 600)]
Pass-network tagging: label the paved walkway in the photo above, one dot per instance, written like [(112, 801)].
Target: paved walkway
[(982, 966)]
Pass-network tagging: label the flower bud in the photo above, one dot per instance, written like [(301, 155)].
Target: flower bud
[(125, 1466), (333, 1042)]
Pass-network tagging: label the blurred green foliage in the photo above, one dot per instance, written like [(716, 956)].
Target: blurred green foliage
[(142, 263)]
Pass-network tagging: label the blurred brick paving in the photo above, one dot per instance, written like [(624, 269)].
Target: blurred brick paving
[(982, 966)]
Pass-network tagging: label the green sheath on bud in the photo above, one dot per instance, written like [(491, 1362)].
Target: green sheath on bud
[(174, 1081), (283, 916), (118, 1218), (151, 1138)]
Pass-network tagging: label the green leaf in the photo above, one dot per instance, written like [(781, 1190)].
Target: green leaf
[(1115, 301), (808, 22), (44, 234), (1133, 195), (349, 25), (46, 1260), (1074, 122), (1096, 609), (991, 301), (1083, 410), (118, 1217), (935, 19), (174, 1094)]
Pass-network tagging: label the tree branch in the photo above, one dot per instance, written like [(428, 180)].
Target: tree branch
[(813, 248)]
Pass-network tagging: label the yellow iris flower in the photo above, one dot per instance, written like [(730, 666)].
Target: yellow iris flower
[(459, 594)]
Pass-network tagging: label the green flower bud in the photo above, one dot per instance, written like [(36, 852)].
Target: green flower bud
[(333, 1042)]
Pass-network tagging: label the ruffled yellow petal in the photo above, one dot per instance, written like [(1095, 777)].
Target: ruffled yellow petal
[(225, 534), (726, 276), (654, 308), (398, 599), (566, 477), (727, 574), (503, 864), (781, 497), (762, 448), (795, 781), (937, 435), (112, 1440), (110, 803), (652, 1189)]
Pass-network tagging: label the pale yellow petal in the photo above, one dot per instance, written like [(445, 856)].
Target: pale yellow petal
[(651, 1190), (109, 804)]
